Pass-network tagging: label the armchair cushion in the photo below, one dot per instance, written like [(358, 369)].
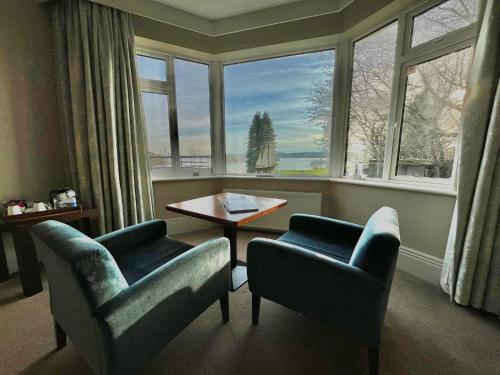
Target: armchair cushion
[(148, 257), (126, 239), (327, 236), (332, 229), (339, 250)]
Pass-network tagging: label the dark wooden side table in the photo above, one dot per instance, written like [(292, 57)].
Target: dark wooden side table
[(209, 208), (27, 260)]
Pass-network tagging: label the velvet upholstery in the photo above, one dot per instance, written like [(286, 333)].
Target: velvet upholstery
[(151, 248), (115, 324), (333, 271)]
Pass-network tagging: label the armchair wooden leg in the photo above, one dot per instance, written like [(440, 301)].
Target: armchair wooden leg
[(60, 336), (224, 307), (373, 360), (255, 308)]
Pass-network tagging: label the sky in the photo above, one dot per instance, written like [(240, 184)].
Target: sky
[(279, 86), (193, 107)]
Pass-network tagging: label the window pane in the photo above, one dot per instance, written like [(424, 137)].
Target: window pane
[(193, 113), (371, 85), (278, 114), (433, 105), (442, 19), (157, 125), (151, 68)]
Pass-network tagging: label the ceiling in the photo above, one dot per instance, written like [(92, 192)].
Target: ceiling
[(218, 9), (221, 17)]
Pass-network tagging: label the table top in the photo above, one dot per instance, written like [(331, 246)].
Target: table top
[(8, 223), (210, 208)]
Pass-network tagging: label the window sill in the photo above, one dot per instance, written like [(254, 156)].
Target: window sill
[(183, 178), (399, 185), (421, 188)]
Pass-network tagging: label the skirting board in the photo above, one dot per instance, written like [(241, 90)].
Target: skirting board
[(419, 264), (414, 262)]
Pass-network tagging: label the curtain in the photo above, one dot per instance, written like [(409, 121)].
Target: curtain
[(471, 271), (101, 110)]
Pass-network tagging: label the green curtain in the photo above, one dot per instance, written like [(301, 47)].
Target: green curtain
[(101, 109), (471, 272)]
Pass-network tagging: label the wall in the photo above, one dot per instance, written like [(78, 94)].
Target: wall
[(162, 32), (30, 142), (424, 217), (352, 18), (282, 185), (31, 161), (166, 192)]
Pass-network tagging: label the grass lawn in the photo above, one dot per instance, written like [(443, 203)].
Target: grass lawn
[(304, 172)]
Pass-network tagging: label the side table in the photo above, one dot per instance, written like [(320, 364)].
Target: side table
[(27, 260)]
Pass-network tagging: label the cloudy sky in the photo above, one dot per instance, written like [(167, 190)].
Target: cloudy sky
[(279, 86)]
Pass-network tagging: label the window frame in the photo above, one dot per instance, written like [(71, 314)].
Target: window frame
[(270, 56), (348, 91), (168, 88), (406, 56), (398, 123), (455, 35), (343, 45)]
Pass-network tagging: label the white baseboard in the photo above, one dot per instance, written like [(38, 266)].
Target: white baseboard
[(419, 264), (186, 224)]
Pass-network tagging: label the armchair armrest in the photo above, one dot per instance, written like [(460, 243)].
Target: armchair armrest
[(312, 283), (123, 240), (171, 295), (326, 227)]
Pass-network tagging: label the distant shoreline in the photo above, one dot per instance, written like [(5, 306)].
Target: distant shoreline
[(294, 155)]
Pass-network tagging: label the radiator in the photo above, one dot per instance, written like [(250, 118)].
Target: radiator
[(298, 202)]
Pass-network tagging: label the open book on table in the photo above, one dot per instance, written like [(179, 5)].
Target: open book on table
[(238, 204)]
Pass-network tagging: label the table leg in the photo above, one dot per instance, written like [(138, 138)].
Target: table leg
[(239, 269), (27, 261), (4, 269), (91, 227)]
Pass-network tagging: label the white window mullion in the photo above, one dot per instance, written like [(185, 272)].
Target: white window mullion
[(217, 108), (341, 94), (393, 125), (174, 126)]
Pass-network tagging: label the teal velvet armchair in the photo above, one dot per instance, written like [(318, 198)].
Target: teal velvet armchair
[(123, 296), (332, 271)]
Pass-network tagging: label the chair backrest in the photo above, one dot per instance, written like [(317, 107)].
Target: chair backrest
[(82, 276), (378, 246), (91, 263)]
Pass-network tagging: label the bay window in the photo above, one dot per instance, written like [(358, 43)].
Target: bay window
[(396, 100)]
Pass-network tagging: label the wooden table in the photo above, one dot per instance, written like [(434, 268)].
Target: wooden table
[(209, 208), (27, 260)]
